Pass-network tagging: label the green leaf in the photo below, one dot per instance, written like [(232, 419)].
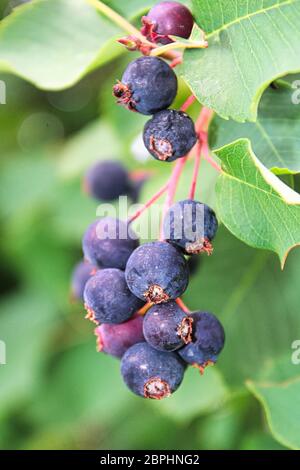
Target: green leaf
[(250, 45), (254, 204), (60, 40), (84, 385), (26, 321), (274, 136), (281, 402)]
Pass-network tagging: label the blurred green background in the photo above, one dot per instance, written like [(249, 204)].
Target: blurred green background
[(56, 391)]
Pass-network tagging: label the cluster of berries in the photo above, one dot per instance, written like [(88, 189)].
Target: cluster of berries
[(133, 292)]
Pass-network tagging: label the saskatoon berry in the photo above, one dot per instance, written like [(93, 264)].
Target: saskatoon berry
[(116, 339), (207, 340), (191, 226), (148, 85), (81, 274), (167, 18), (157, 272), (108, 243), (150, 373), (106, 180), (107, 298), (169, 135), (166, 327), (193, 264)]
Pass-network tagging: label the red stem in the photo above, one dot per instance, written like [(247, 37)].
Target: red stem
[(204, 119), (196, 170), (182, 305), (176, 62), (207, 156), (173, 181), (149, 203), (191, 99)]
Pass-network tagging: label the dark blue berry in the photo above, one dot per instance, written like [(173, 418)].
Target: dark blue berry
[(148, 85), (157, 272), (151, 373), (115, 339), (191, 226), (169, 135), (193, 263), (106, 180), (166, 327), (167, 19), (207, 340), (107, 298), (108, 243), (81, 274)]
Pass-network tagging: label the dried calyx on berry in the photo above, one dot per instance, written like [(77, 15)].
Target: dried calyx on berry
[(150, 373), (157, 272), (191, 226), (107, 298), (167, 19), (166, 327), (208, 340), (169, 135), (148, 85)]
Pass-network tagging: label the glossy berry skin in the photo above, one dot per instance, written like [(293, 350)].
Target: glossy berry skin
[(115, 339), (106, 181), (150, 373), (207, 340), (169, 135), (191, 226), (168, 18), (157, 272), (108, 243), (166, 327), (148, 85), (107, 298), (81, 274)]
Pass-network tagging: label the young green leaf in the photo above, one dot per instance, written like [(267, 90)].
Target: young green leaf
[(250, 45), (274, 136), (254, 204), (53, 43), (281, 404)]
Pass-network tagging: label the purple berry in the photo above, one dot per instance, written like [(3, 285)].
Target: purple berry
[(116, 339), (106, 180), (169, 135), (108, 243), (107, 298), (150, 373), (191, 226), (148, 85), (81, 274), (194, 263), (166, 327), (207, 341), (167, 19), (157, 272)]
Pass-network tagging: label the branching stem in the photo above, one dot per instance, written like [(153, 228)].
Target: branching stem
[(149, 203), (118, 20)]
